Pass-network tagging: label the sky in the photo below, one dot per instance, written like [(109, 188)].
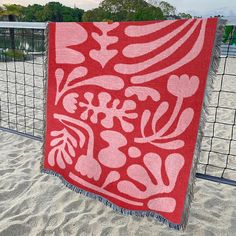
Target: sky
[(194, 7)]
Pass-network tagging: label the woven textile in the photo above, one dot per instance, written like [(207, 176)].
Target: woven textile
[(124, 102)]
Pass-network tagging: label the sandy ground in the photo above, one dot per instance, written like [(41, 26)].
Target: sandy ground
[(32, 203)]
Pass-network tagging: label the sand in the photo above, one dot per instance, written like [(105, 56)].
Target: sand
[(32, 203)]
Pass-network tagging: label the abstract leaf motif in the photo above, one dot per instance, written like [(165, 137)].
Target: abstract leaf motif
[(142, 93), (104, 55), (116, 83), (144, 120), (86, 164), (181, 87), (140, 49), (76, 73), (185, 119), (160, 111), (173, 164), (143, 30), (110, 113), (191, 55), (140, 66), (63, 148), (69, 102)]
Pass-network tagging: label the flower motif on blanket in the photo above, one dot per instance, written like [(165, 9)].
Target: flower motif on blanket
[(123, 108)]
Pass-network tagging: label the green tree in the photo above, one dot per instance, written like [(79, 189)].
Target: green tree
[(183, 15), (97, 14), (148, 13), (33, 13), (53, 11), (229, 35), (167, 8), (11, 12), (123, 10), (70, 15)]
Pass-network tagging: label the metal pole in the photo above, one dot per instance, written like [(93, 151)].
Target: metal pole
[(24, 25)]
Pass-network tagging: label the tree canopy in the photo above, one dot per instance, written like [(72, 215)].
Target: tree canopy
[(184, 15), (108, 10), (167, 8), (33, 13), (52, 11), (123, 10), (11, 11), (229, 35), (55, 11)]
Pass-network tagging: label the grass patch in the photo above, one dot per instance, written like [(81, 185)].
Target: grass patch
[(16, 55)]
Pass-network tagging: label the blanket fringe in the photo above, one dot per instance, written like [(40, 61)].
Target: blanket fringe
[(212, 74), (112, 205), (45, 83), (215, 59)]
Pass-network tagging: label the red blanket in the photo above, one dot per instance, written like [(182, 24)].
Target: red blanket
[(123, 108)]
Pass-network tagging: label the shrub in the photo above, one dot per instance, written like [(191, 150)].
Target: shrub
[(16, 55)]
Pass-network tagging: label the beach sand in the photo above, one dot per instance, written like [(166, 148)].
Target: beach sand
[(32, 203)]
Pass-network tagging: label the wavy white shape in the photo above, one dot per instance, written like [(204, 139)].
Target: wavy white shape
[(134, 152), (111, 156), (173, 117), (140, 66), (69, 102), (172, 145), (78, 132), (104, 55), (153, 162), (163, 204), (62, 148), (110, 82), (144, 120), (173, 164), (185, 120), (142, 30), (142, 93), (160, 111), (140, 49), (106, 26), (103, 191), (78, 35), (76, 73), (183, 86), (157, 135), (111, 178), (123, 113), (86, 164), (191, 55)]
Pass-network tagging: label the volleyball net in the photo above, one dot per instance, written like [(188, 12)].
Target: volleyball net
[(22, 83), (22, 79)]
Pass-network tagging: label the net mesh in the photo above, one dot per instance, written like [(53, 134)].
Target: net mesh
[(22, 80), (22, 83), (218, 154)]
